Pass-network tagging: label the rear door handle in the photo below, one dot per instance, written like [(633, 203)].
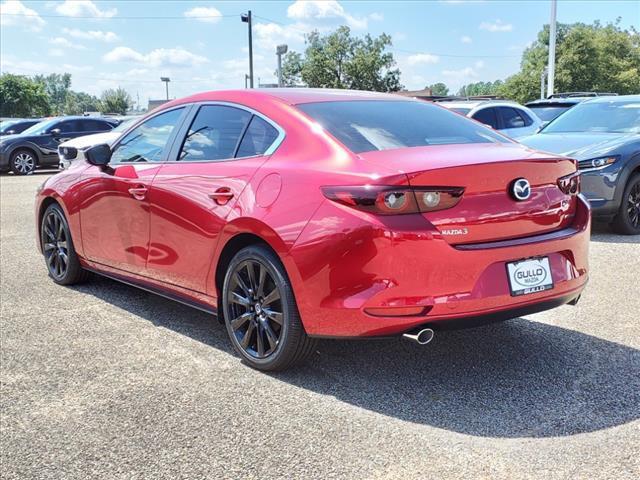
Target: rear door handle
[(222, 195), (139, 193)]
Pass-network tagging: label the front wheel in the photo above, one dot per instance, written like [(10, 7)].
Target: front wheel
[(260, 311), (57, 246), (23, 162), (627, 220)]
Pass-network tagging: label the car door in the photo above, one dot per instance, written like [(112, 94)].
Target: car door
[(487, 116), (114, 201), (213, 160)]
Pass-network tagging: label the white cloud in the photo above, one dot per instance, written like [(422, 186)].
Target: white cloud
[(160, 57), (462, 75), (497, 26), (422, 59), (376, 17), (63, 42), (15, 13), (268, 35), (327, 10), (204, 14), (83, 8), (56, 52), (466, 39), (91, 34)]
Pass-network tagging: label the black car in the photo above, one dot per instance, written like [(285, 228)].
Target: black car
[(37, 146), (16, 125)]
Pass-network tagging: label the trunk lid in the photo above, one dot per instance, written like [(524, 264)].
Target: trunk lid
[(488, 210)]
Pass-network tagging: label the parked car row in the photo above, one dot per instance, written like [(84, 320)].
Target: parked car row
[(37, 145)]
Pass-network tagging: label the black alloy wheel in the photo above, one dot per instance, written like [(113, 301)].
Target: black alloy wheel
[(57, 247), (260, 312), (627, 221)]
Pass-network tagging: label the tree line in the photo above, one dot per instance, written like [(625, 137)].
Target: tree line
[(44, 95)]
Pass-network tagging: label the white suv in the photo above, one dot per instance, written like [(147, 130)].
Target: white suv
[(507, 117)]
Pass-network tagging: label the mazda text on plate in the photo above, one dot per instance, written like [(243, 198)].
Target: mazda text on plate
[(299, 214)]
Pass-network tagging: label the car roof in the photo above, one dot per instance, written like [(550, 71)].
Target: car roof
[(558, 102), (616, 99), (472, 104), (291, 96)]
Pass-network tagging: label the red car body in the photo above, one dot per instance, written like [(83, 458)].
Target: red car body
[(171, 226)]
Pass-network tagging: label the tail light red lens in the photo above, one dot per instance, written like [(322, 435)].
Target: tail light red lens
[(570, 184), (389, 200)]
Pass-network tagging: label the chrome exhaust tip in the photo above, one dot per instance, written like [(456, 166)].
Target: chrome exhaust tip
[(422, 337)]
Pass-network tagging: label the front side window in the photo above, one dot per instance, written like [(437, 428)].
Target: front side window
[(95, 126), (368, 125), (214, 133), (147, 142), (511, 118), (67, 126)]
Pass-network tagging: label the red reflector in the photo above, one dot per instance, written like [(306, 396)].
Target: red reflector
[(398, 311)]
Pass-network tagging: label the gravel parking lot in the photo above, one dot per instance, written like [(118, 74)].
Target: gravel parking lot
[(106, 381)]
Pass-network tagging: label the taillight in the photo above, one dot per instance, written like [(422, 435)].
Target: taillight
[(570, 184), (389, 200)]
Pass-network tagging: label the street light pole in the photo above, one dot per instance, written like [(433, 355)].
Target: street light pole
[(545, 70), (552, 48), (166, 81), (280, 50), (246, 18)]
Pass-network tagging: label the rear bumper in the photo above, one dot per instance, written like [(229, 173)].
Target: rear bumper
[(363, 265)]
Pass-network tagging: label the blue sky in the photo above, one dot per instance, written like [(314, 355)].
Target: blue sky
[(105, 44)]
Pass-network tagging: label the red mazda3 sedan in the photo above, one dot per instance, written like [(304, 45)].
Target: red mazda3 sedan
[(297, 214)]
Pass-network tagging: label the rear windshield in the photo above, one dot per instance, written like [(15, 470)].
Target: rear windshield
[(368, 125), (546, 113)]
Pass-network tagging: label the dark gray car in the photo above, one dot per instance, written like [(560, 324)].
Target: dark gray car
[(603, 134)]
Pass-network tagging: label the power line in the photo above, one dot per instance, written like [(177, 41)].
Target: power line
[(120, 17), (397, 49)]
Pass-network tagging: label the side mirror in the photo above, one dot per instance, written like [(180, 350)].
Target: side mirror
[(10, 132), (99, 155), (55, 132)]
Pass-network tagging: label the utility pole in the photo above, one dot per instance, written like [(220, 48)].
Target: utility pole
[(166, 81), (545, 70), (246, 18), (552, 48), (280, 50), (246, 80)]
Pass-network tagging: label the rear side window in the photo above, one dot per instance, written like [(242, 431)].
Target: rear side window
[(214, 134), (147, 141), (95, 126), (257, 139), (367, 125), (487, 116), (511, 118)]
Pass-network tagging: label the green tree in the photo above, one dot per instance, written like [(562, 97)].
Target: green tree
[(438, 89), (22, 97), (588, 58), (339, 60), (79, 102), (57, 86), (480, 88), (115, 101)]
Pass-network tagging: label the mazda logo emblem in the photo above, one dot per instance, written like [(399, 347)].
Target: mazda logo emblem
[(521, 189)]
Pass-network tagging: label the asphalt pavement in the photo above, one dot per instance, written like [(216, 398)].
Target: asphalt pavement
[(106, 381)]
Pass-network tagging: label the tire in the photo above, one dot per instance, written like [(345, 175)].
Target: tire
[(627, 221), (23, 162), (260, 311), (60, 256)]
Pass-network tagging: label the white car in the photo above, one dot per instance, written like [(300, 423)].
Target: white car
[(509, 118), (74, 149)]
